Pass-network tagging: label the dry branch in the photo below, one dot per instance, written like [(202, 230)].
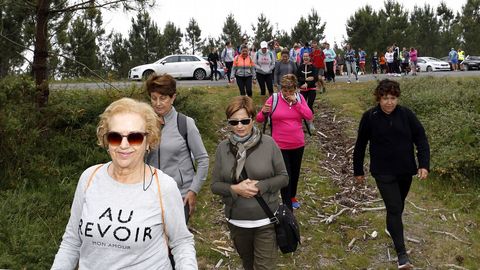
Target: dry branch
[(419, 208), (367, 209), (451, 265), (452, 235)]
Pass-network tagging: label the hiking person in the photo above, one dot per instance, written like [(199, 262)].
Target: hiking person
[(283, 67), (317, 57), (307, 76), (362, 58), (180, 154), (453, 59), (212, 60), (264, 65), (286, 118), (244, 71), (393, 132), (227, 57), (125, 213), (249, 164), (329, 61), (413, 61), (350, 62)]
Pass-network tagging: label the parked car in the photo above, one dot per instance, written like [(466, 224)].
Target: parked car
[(178, 66), (220, 69), (430, 64), (471, 62), (446, 59)]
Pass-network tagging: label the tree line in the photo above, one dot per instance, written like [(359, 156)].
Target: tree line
[(69, 40)]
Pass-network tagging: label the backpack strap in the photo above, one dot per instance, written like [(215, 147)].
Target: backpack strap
[(89, 182), (161, 207), (183, 130)]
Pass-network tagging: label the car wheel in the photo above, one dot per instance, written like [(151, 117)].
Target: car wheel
[(147, 74), (199, 74), (467, 67), (429, 69)]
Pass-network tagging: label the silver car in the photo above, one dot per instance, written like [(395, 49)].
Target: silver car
[(430, 64), (178, 66)]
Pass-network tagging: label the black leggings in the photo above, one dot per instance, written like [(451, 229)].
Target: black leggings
[(229, 65), (394, 189), (265, 78), (244, 83), (293, 162), (309, 96), (330, 73)]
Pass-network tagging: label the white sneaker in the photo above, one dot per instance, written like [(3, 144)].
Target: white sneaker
[(349, 81)]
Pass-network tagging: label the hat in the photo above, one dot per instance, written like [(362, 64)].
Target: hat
[(263, 44)]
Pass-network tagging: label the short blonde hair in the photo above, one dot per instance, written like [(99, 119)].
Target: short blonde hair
[(289, 81), (128, 105)]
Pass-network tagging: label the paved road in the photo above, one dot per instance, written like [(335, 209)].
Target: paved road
[(190, 83)]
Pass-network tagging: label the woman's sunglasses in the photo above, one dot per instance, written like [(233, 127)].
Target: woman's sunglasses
[(234, 122), (134, 138)]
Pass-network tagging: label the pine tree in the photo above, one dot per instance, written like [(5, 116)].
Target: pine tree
[(145, 40), (263, 31), (192, 36), (173, 37), (231, 31), (470, 23)]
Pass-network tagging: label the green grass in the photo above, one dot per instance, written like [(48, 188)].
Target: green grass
[(53, 146)]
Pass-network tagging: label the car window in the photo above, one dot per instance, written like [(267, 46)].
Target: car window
[(421, 61), (187, 58), (474, 58), (171, 59)]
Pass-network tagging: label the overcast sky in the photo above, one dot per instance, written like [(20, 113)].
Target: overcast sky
[(211, 14)]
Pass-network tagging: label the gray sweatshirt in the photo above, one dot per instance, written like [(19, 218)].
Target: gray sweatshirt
[(264, 62), (282, 69), (175, 158), (264, 164), (119, 226)]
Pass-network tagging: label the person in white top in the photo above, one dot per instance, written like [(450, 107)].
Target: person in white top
[(126, 214)]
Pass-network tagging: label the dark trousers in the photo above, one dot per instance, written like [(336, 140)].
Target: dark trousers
[(391, 67), (293, 162), (330, 73), (245, 85), (257, 247), (309, 96), (213, 69), (229, 65), (263, 79), (396, 66), (394, 189)]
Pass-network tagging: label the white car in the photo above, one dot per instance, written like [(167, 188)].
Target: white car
[(430, 64), (178, 66)]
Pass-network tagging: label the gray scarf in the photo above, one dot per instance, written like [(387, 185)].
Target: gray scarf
[(241, 148)]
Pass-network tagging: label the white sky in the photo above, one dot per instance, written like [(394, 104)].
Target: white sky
[(211, 14)]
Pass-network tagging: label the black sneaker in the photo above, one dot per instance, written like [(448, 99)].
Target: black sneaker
[(404, 262)]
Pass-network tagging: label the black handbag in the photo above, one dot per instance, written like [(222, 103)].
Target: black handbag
[(286, 226)]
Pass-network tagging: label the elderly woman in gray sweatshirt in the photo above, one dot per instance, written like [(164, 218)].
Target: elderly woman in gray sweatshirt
[(177, 153), (249, 164)]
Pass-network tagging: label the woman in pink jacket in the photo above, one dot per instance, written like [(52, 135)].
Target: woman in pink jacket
[(286, 111)]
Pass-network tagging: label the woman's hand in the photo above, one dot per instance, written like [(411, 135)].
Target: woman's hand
[(309, 79), (266, 108), (304, 86), (422, 173), (190, 199), (246, 188)]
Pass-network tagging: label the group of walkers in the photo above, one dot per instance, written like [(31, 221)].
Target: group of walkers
[(132, 211)]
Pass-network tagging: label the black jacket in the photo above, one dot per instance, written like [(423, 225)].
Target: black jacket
[(213, 58), (392, 138), (311, 71)]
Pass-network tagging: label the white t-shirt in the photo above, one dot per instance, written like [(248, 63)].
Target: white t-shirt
[(119, 226)]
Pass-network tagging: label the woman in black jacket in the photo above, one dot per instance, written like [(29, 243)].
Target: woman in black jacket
[(212, 60), (393, 131), (307, 76)]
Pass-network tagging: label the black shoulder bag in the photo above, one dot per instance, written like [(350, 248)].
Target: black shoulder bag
[(286, 226)]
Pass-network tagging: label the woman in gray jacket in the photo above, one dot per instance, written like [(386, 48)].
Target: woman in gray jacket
[(249, 164), (177, 152)]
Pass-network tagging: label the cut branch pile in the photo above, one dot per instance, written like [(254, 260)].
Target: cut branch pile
[(339, 163)]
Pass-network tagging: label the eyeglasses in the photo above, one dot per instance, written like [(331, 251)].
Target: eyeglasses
[(234, 122), (134, 138)]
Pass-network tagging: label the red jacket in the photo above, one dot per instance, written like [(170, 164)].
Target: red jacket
[(318, 59)]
